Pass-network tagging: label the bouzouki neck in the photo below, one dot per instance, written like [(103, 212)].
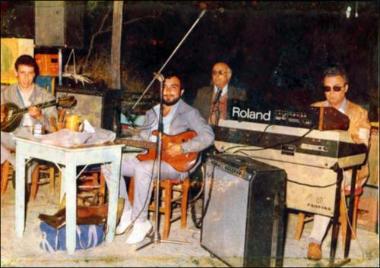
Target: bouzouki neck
[(41, 106)]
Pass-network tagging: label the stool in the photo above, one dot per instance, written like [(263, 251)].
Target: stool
[(343, 216), (168, 186)]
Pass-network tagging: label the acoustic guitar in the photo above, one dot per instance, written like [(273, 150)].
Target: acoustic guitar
[(14, 114), (181, 162)]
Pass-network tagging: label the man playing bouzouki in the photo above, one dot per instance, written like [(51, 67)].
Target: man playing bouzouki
[(25, 93), (179, 119)]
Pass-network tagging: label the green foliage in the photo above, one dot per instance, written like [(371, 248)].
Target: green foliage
[(7, 18)]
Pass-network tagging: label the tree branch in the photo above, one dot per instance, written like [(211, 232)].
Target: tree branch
[(109, 29), (95, 35)]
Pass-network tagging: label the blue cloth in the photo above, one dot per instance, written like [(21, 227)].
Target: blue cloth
[(87, 236)]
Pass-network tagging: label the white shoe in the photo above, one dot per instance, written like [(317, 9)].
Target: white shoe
[(125, 222), (139, 232)]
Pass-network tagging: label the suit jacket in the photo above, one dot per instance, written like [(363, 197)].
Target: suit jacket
[(358, 119), (185, 118), (203, 99)]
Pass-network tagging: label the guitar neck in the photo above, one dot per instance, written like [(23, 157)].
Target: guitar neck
[(136, 143)]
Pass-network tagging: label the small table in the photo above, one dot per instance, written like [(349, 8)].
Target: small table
[(70, 158)]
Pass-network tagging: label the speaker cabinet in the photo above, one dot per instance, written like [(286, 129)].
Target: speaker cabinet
[(99, 107), (244, 211), (59, 23)]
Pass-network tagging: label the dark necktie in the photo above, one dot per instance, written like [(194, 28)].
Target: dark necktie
[(217, 96)]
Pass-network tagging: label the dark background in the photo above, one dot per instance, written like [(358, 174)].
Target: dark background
[(276, 50)]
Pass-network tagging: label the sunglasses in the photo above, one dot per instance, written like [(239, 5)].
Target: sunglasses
[(334, 88), (218, 73)]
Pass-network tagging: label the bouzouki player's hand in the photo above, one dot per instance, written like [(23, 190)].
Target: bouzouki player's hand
[(3, 113), (35, 112)]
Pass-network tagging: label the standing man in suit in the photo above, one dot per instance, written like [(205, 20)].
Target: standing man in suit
[(335, 86), (178, 117), (212, 101)]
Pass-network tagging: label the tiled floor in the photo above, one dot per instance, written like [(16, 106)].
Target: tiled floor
[(26, 252)]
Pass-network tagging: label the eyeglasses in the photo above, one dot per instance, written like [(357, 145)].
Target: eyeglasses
[(218, 72), (335, 88)]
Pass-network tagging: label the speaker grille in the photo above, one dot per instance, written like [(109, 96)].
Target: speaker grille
[(226, 215), (244, 206)]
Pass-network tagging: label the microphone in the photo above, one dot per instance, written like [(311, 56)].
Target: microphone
[(159, 77)]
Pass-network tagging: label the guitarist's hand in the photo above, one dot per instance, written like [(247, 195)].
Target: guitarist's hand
[(35, 112), (174, 149)]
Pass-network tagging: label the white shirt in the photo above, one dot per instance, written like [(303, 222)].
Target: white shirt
[(224, 90), (343, 106), (166, 120), (27, 119)]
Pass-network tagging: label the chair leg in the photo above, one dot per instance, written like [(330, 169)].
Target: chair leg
[(5, 170), (59, 177), (131, 189), (168, 186), (52, 180), (300, 225), (343, 219), (355, 216), (34, 186), (102, 190), (185, 195)]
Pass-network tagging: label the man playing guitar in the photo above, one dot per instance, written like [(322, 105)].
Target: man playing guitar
[(178, 118), (25, 93)]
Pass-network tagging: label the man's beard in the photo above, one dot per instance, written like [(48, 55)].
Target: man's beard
[(172, 102)]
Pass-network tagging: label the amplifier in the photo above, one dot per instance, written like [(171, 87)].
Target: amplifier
[(244, 211)]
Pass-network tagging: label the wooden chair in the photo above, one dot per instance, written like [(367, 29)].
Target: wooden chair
[(6, 175), (40, 175), (343, 217), (168, 199), (91, 187)]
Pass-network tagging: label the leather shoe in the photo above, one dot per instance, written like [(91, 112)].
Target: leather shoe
[(314, 252), (125, 222), (139, 232)]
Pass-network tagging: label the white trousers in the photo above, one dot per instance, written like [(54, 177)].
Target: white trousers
[(143, 174)]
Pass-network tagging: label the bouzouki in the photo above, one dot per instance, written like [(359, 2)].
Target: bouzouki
[(14, 114), (182, 162)]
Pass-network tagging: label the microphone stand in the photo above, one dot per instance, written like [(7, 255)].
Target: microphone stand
[(169, 58), (156, 237)]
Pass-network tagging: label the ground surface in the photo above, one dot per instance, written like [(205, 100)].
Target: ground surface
[(26, 252)]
